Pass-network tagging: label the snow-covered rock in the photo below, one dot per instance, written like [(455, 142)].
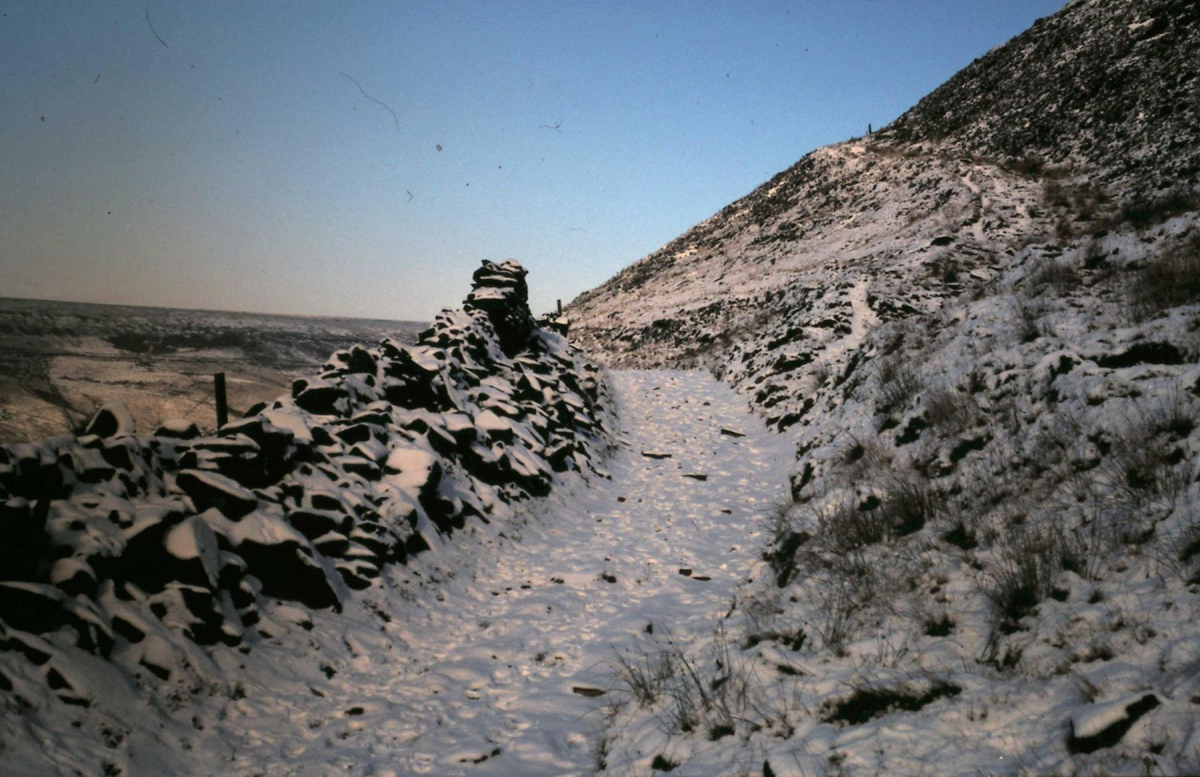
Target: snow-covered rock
[(112, 420), (1103, 725), (156, 546)]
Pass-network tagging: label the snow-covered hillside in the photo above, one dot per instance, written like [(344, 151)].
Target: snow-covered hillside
[(1086, 121), (981, 329), (990, 554)]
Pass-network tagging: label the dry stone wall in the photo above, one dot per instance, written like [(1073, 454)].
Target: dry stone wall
[(143, 541)]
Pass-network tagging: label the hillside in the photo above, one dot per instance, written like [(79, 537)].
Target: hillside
[(60, 361), (981, 329), (1086, 120)]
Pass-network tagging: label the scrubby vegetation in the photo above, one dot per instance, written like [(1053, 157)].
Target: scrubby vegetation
[(979, 325), (1000, 493)]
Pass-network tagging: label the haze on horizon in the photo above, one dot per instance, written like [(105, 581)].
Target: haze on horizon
[(360, 159)]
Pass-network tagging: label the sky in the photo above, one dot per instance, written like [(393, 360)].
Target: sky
[(361, 157)]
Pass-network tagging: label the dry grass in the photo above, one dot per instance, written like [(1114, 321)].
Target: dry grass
[(1167, 281), (1051, 275), (668, 673), (899, 382), (1026, 567), (1030, 320), (950, 410), (1147, 213)]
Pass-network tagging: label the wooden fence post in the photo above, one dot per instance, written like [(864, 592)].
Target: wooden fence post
[(560, 308), (219, 391)]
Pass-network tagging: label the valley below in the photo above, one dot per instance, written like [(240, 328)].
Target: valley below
[(60, 361)]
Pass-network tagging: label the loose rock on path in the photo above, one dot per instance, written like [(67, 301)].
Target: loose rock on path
[(507, 673)]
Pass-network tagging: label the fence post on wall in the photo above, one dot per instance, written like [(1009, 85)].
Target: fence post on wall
[(219, 391), (560, 307)]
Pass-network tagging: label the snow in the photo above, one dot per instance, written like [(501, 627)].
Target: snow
[(193, 539), (120, 421), (410, 468), (870, 266), (292, 420), (525, 463), (488, 421), (1036, 437), (492, 663), (66, 568), (473, 651), (177, 426), (219, 483), (265, 529)]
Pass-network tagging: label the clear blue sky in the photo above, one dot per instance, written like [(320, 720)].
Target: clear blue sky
[(239, 166)]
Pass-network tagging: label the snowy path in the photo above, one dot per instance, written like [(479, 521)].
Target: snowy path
[(483, 682), (984, 204)]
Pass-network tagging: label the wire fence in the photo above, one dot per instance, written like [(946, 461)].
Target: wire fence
[(194, 359), (207, 397)]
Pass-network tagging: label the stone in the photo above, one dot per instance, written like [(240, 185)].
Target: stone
[(194, 547), (281, 559), (209, 489), (178, 429), (1103, 725), (317, 396), (314, 522), (500, 291), (413, 469), (111, 420), (73, 576), (23, 540)]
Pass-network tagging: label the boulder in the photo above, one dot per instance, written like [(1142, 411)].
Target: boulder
[(194, 546), (178, 429), (414, 470), (73, 576), (111, 420), (313, 523), (23, 540), (357, 573), (209, 489), (145, 560), (282, 560), (332, 544), (38, 608), (317, 396), (32, 607), (1103, 725), (358, 432), (360, 361)]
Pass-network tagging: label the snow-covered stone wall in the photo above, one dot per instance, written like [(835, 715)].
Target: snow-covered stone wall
[(128, 545)]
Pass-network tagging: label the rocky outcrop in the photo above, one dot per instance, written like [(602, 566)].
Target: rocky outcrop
[(115, 538)]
